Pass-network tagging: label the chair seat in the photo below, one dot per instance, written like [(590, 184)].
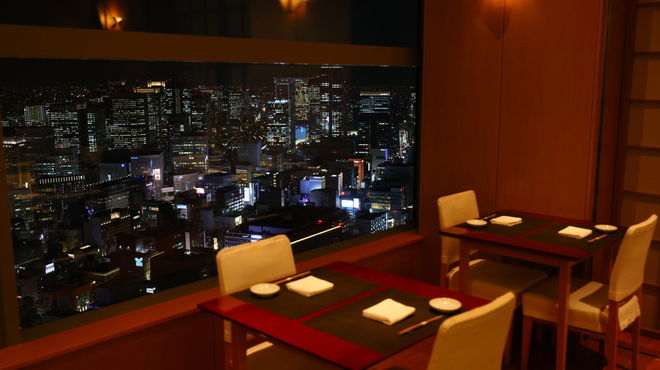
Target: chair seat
[(587, 306), (490, 279)]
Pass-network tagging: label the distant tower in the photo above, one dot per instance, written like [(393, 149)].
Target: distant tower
[(376, 129)]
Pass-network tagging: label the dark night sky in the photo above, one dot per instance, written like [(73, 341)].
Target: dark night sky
[(34, 73)]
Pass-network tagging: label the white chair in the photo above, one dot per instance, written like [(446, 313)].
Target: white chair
[(474, 339), (488, 279), (595, 308), (244, 265)]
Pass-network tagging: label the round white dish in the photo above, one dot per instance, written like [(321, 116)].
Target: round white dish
[(445, 304), (477, 222), (606, 228), (265, 289)]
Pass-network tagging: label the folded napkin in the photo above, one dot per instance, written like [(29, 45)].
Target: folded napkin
[(575, 232), (506, 220), (388, 311), (309, 286)]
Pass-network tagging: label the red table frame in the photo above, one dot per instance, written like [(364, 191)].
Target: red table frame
[(295, 334), (518, 247)]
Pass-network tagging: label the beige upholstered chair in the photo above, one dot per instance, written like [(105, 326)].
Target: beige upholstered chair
[(247, 264), (488, 279), (244, 265), (595, 308), (474, 339)]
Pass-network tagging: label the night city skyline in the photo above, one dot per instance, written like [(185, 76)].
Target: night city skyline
[(124, 188)]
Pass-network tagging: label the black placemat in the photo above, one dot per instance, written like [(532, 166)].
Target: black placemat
[(294, 306), (347, 322), (528, 224), (551, 236)]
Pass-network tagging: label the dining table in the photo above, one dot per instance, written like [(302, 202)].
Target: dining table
[(537, 240), (330, 326)]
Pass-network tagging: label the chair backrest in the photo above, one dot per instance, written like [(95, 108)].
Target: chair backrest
[(474, 339), (244, 265), (452, 210), (628, 271)]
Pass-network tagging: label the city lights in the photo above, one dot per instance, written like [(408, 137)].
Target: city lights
[(126, 188)]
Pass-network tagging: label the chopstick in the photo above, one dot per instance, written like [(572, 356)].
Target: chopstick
[(290, 277), (419, 324), (596, 238), (489, 216)]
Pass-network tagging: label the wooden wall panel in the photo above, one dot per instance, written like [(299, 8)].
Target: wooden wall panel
[(646, 78), (639, 159), (648, 29), (650, 302), (550, 107), (636, 208), (642, 171), (644, 125), (460, 110), (404, 262), (652, 270), (184, 343)]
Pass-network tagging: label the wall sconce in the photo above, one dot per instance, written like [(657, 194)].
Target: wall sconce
[(496, 15), (109, 17), (116, 22), (289, 6)]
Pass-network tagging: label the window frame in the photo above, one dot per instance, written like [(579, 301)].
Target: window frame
[(39, 42)]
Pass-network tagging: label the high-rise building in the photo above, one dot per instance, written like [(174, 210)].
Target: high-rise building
[(189, 153), (249, 153), (94, 132), (177, 107), (64, 118), (375, 127), (34, 115), (279, 128), (154, 109), (152, 167), (128, 127)]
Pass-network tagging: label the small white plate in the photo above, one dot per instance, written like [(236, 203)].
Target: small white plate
[(445, 304), (606, 228), (265, 289), (477, 222)]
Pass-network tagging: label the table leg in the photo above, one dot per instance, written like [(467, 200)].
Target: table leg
[(464, 263), (220, 346), (601, 266), (238, 347), (564, 292)]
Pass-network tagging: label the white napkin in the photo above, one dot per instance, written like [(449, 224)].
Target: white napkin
[(388, 311), (506, 220), (309, 286), (575, 232)]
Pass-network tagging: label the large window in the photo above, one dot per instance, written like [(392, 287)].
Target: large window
[(126, 177)]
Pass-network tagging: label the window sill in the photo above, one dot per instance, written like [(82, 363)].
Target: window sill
[(51, 346)]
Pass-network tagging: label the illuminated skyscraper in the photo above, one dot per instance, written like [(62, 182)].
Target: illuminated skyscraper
[(66, 126), (279, 130), (35, 115), (154, 106), (128, 124), (94, 128), (189, 153), (375, 127), (295, 91)]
